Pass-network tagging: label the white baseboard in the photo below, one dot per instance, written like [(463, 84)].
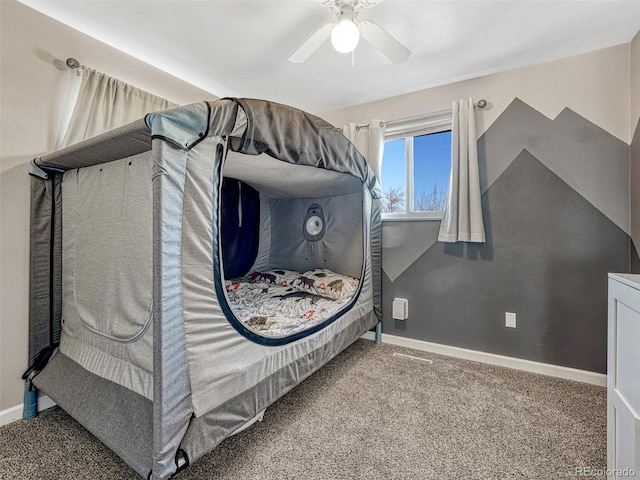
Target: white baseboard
[(493, 359), (15, 413)]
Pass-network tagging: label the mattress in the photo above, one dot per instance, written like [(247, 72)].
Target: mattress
[(279, 303)]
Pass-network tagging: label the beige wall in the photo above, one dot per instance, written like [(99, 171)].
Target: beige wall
[(634, 134), (634, 57), (602, 98), (32, 92)]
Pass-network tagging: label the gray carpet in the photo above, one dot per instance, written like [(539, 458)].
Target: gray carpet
[(367, 415)]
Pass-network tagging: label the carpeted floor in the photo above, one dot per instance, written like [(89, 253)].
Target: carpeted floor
[(368, 414)]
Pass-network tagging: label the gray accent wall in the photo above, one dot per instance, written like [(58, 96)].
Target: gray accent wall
[(556, 208)]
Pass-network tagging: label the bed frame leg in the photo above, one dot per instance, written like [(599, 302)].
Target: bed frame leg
[(378, 333)]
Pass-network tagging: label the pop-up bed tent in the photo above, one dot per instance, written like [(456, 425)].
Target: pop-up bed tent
[(190, 268)]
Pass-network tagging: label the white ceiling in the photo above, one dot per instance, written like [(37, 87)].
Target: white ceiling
[(240, 48)]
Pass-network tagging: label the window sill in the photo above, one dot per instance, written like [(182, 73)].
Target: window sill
[(417, 217)]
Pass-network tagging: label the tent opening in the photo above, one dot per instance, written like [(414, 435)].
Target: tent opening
[(292, 246)]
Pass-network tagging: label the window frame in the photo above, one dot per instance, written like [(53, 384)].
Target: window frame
[(409, 128)]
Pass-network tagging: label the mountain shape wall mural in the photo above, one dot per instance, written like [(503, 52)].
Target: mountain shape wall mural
[(589, 159), (547, 256), (404, 242)]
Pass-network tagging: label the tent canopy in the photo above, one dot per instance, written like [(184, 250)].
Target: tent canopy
[(263, 130)]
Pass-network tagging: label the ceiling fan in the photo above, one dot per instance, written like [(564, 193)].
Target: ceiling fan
[(345, 33)]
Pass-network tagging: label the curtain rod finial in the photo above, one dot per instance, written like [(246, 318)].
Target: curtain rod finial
[(73, 63)]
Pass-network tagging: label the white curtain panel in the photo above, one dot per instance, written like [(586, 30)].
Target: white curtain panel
[(462, 220), (369, 140), (104, 103)]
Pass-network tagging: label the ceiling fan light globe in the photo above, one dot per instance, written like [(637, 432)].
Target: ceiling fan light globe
[(345, 36)]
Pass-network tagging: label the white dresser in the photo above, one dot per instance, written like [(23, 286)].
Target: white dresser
[(623, 382)]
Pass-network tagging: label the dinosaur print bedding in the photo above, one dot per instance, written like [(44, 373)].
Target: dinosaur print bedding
[(279, 303)]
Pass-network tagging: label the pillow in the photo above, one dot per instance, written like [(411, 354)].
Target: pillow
[(325, 283)]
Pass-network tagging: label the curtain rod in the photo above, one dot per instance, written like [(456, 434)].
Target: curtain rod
[(482, 103)]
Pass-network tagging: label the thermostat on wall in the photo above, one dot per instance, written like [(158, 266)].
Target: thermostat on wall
[(400, 308)]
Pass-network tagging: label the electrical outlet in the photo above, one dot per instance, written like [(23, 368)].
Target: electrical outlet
[(510, 320)]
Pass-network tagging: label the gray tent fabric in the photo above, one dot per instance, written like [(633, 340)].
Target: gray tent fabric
[(120, 418), (121, 142), (376, 255), (219, 423), (171, 390), (298, 137), (118, 228), (183, 127), (107, 253), (45, 279), (126, 248), (301, 255)]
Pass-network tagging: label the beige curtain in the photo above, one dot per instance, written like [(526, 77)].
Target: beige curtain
[(462, 220), (369, 140), (104, 103)]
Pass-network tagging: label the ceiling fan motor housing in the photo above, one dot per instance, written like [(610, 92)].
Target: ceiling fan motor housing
[(346, 31)]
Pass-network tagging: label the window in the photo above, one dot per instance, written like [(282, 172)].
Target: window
[(416, 166)]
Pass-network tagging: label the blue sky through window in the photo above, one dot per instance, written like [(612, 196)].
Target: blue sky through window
[(393, 165), (432, 166)]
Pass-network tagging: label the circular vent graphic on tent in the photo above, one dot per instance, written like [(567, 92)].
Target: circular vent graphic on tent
[(314, 225)]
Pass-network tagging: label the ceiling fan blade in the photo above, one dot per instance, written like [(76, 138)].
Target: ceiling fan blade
[(383, 41), (312, 44)]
